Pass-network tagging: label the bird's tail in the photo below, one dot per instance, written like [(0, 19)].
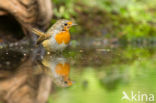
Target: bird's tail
[(42, 36), (38, 32)]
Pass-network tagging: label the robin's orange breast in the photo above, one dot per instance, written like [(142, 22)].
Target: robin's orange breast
[(63, 37), (62, 69)]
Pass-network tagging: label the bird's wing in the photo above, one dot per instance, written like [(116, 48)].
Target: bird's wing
[(42, 36), (38, 32)]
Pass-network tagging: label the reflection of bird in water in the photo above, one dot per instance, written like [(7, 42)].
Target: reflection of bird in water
[(59, 69)]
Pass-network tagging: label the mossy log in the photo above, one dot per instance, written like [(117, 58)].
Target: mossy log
[(18, 16)]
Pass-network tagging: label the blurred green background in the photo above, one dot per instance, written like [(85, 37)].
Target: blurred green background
[(101, 77), (127, 19)]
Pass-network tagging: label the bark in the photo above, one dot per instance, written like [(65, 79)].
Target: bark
[(26, 13), (17, 17)]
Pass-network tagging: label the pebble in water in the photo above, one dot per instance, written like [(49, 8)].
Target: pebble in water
[(48, 52)]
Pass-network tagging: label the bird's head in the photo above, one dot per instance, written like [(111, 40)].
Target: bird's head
[(64, 25)]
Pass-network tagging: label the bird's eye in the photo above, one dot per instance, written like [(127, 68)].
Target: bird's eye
[(65, 24)]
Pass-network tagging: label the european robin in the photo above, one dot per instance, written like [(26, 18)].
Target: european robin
[(57, 37)]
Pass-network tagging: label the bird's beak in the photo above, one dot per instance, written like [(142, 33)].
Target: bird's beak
[(74, 24)]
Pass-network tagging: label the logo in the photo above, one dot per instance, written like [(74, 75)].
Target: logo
[(138, 96)]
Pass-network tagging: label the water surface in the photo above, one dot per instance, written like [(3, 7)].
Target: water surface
[(79, 75)]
